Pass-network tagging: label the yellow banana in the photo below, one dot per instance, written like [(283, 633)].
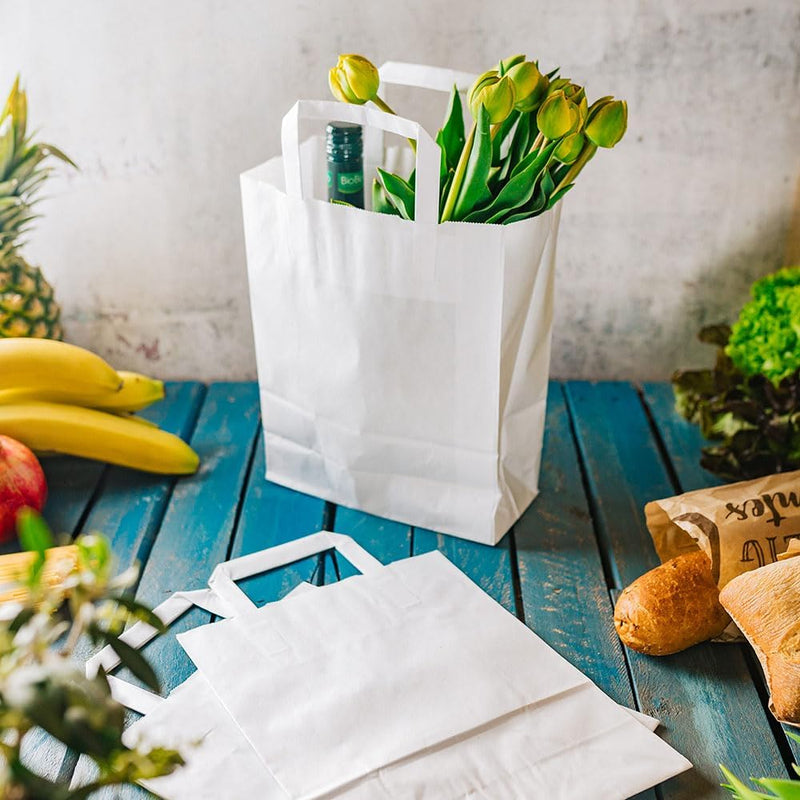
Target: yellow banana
[(47, 364), (85, 432), (137, 392)]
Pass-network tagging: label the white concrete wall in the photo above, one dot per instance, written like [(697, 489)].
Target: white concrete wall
[(163, 104)]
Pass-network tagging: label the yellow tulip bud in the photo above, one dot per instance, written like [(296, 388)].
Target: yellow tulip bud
[(569, 148), (495, 94), (481, 82), (557, 116), (505, 65), (530, 86), (354, 79), (607, 122)]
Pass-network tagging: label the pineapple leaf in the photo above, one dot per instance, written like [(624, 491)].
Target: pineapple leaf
[(52, 150), (20, 114), (10, 106), (6, 146)]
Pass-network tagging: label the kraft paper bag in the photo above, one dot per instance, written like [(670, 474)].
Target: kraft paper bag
[(409, 681), (402, 365), (739, 526)]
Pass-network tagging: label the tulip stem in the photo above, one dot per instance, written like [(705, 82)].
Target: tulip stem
[(384, 106), (545, 142), (458, 176), (583, 159), (537, 141)]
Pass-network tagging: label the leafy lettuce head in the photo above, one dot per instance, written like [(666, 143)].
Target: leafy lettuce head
[(765, 340)]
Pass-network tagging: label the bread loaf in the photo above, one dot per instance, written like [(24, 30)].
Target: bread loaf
[(765, 604), (672, 607)]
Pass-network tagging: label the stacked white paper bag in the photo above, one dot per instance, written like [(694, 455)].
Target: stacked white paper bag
[(406, 681)]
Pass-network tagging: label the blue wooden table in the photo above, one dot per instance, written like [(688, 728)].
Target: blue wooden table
[(609, 448)]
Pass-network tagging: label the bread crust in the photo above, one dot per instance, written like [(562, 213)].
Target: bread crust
[(765, 604), (672, 607)]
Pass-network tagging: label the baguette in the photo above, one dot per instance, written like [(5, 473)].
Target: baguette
[(765, 604), (672, 607)]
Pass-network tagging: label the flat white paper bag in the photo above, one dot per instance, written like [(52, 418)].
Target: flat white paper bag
[(413, 682)]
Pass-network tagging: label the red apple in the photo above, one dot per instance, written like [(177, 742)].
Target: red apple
[(22, 483)]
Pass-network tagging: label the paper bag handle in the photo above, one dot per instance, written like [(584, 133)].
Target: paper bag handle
[(426, 196), (420, 76), (138, 635), (223, 578)]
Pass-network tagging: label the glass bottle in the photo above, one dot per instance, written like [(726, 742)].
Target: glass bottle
[(345, 149)]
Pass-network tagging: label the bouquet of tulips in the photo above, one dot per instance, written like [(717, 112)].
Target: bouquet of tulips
[(531, 135)]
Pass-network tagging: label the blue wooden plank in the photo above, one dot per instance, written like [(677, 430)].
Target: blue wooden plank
[(273, 514), (71, 483), (682, 442), (128, 510), (562, 585), (706, 692), (196, 531), (385, 539), (132, 504), (489, 567)]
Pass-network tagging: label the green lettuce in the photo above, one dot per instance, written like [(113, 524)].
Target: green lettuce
[(754, 422)]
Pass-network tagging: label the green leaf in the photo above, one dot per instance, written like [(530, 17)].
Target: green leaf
[(35, 535), (531, 209), (474, 190), (139, 611), (517, 192), (501, 134), (521, 141), (738, 789), (52, 150), (451, 137), (554, 198), (130, 657), (783, 788), (380, 205), (399, 192), (336, 202), (715, 334), (6, 148), (548, 184)]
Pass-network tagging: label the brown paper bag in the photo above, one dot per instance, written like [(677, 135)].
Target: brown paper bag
[(740, 526)]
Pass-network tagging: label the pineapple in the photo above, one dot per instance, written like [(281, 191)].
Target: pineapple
[(27, 307)]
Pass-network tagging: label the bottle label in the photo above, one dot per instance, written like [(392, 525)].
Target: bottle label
[(349, 182)]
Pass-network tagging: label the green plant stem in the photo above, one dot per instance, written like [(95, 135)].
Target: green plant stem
[(545, 142), (384, 106), (536, 142), (583, 159), (458, 177)]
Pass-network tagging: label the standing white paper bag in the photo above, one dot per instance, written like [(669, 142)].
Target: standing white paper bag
[(409, 681), (402, 365)]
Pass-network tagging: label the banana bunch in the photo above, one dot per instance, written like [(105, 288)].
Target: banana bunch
[(59, 398)]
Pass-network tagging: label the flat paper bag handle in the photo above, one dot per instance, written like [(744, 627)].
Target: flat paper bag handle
[(426, 199), (223, 578), (138, 635), (420, 76)]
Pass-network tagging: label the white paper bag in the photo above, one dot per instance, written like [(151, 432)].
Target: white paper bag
[(409, 681), (220, 763), (402, 365)]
